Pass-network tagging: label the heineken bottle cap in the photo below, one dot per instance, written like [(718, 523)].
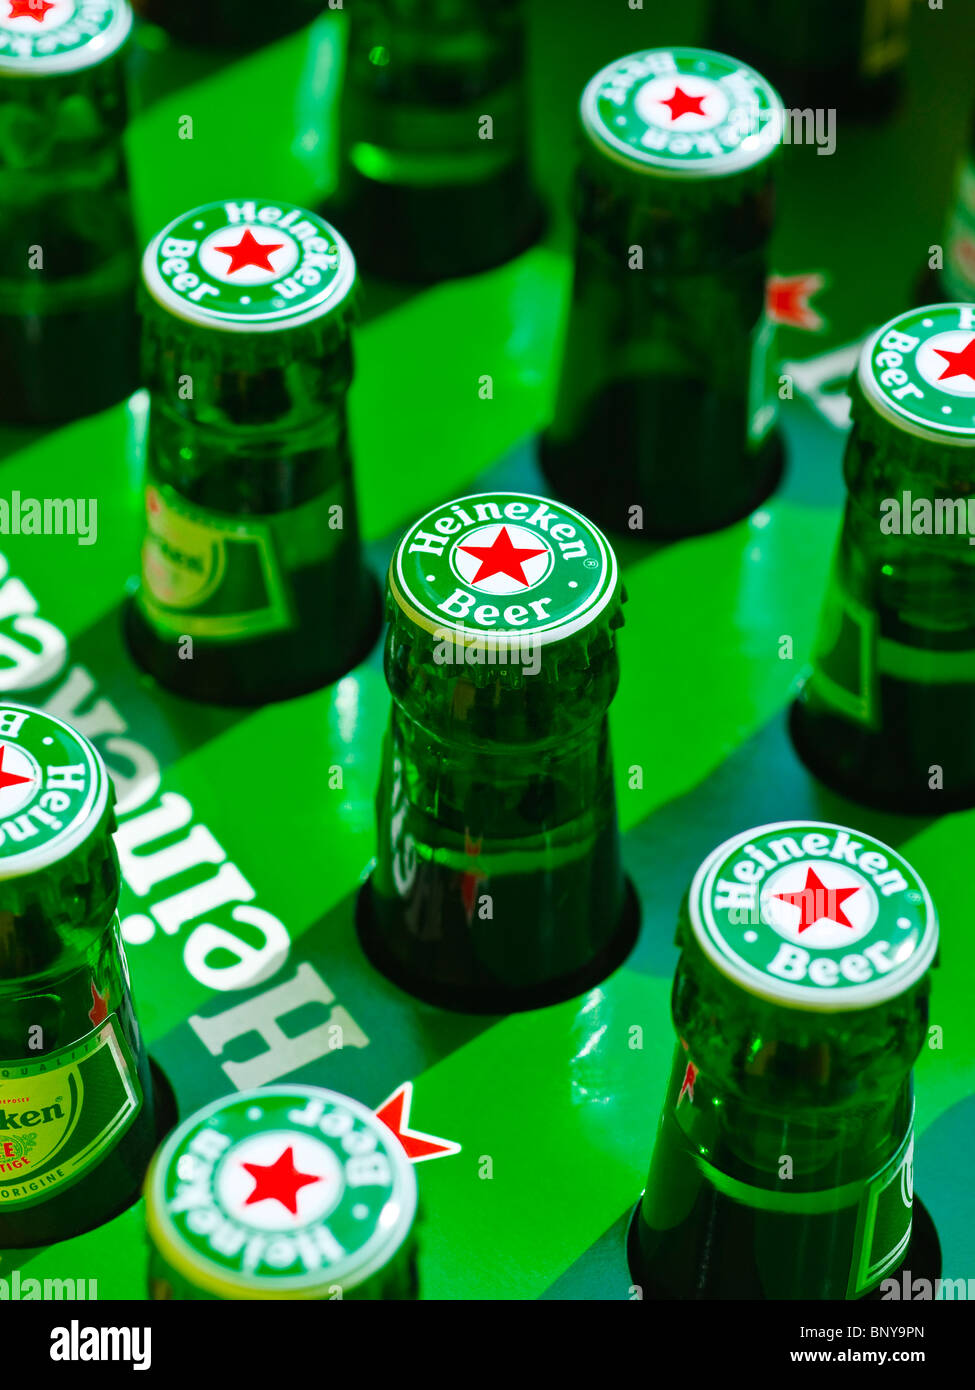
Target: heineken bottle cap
[(39, 38), (813, 916), (684, 113), (56, 811), (282, 1192), (918, 373), (504, 568), (248, 266)]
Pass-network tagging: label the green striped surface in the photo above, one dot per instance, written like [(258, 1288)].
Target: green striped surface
[(555, 1110)]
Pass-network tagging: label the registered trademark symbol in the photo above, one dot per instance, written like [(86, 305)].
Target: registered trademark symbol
[(591, 564)]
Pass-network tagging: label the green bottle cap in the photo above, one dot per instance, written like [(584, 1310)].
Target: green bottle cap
[(918, 372), (248, 266), (56, 813), (813, 916), (684, 113), (499, 570), (282, 1192), (39, 38)]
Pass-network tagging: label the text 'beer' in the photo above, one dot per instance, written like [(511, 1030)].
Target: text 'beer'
[(68, 261), (285, 1192), (665, 419), (783, 1164), (888, 714), (76, 1113), (498, 882), (253, 585)]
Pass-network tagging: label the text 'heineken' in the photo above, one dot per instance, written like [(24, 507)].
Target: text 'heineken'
[(435, 136), (664, 424), (888, 714), (283, 1192), (76, 1113), (253, 585), (68, 263), (783, 1164), (498, 882)]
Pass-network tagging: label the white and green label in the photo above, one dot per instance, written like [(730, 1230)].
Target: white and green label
[(55, 36), (918, 371), (686, 112), (220, 577), (53, 790), (61, 1113), (813, 915), (284, 1191), (507, 563), (884, 1221), (249, 266)]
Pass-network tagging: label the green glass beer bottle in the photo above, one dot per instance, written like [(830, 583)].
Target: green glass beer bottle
[(887, 715), (434, 134), (253, 584), (664, 422), (783, 1163), (287, 1192), (229, 23), (68, 262), (498, 883), (845, 54), (76, 1107)]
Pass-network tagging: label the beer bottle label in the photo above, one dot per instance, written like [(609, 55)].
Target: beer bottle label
[(221, 577), (869, 1220), (62, 1112)]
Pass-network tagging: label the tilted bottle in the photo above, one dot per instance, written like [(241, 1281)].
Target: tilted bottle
[(498, 882), (76, 1103), (253, 583), (783, 1163)]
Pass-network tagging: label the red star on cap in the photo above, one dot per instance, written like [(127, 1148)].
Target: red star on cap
[(29, 9), (99, 1009), (9, 779), (817, 901), (681, 104), (500, 557), (249, 251), (787, 300), (279, 1181), (959, 363)]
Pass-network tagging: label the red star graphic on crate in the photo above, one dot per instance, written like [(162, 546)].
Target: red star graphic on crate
[(959, 363), (787, 300), (279, 1181), (500, 557), (9, 779), (682, 104), (99, 1007), (816, 901), (395, 1115), (29, 9), (249, 251)]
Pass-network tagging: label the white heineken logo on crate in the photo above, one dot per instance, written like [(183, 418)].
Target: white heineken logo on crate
[(685, 111), (53, 789), (249, 265), (289, 1189), (46, 36), (919, 372), (813, 915), (503, 568)]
